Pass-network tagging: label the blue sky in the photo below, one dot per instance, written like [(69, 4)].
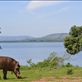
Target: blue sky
[(39, 18)]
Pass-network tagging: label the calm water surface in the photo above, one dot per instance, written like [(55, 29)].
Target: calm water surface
[(36, 51)]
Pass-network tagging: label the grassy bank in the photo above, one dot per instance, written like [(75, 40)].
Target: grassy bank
[(51, 69), (31, 74)]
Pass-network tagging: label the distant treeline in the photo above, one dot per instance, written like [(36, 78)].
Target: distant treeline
[(58, 37)]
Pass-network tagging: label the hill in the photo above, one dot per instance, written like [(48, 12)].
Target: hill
[(58, 37)]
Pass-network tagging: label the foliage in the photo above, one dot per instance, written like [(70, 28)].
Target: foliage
[(30, 62), (73, 42), (29, 75), (53, 61), (69, 65), (69, 72)]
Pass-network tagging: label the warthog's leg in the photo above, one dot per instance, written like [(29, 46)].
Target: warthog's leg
[(5, 74)]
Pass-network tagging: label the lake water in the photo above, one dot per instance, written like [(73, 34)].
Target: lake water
[(36, 51)]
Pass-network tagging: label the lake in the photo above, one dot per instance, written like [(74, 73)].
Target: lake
[(36, 51)]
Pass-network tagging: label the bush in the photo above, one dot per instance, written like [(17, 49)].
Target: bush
[(69, 72), (53, 61), (69, 65)]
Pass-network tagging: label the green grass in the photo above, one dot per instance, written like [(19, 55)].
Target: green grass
[(30, 74)]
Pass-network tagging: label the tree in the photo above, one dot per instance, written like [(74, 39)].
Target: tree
[(73, 42)]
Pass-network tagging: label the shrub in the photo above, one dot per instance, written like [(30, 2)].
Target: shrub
[(53, 61), (69, 65), (69, 72)]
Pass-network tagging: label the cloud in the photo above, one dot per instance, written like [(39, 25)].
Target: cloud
[(34, 5), (53, 13)]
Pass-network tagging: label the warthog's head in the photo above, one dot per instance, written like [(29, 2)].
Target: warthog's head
[(17, 70)]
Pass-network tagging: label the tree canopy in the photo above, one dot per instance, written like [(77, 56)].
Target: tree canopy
[(73, 41)]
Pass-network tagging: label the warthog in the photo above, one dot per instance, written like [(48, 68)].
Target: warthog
[(9, 64)]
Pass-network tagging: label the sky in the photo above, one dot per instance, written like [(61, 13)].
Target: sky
[(39, 18)]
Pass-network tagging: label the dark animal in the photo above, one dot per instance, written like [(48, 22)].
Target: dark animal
[(9, 64)]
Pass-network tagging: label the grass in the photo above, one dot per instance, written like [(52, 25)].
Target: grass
[(31, 74)]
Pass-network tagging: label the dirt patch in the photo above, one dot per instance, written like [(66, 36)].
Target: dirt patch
[(64, 79), (42, 80)]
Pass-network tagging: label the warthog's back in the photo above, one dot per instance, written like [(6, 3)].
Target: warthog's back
[(7, 63)]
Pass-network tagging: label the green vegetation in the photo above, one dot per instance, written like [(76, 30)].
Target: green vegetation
[(29, 75), (69, 71), (73, 42), (53, 61), (53, 66)]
